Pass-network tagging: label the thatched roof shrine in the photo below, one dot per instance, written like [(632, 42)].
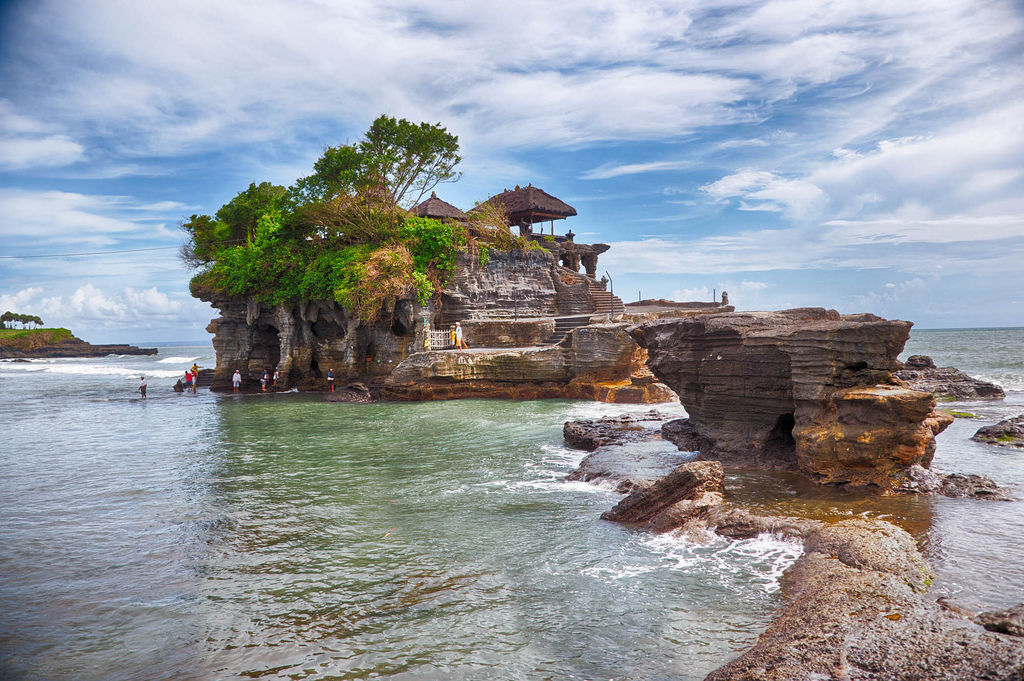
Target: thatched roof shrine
[(437, 209), (529, 205)]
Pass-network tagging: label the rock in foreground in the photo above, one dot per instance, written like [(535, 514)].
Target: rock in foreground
[(857, 609), (806, 389), (1008, 433), (920, 373)]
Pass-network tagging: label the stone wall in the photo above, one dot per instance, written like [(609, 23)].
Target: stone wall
[(523, 282), (600, 362), (507, 333)]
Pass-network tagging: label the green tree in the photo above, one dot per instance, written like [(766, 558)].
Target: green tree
[(397, 162), (336, 173), (242, 213), (408, 160)]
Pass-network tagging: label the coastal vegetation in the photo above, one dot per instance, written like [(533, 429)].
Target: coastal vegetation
[(30, 339), (345, 232), (9, 319)]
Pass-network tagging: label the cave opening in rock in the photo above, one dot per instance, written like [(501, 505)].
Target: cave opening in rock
[(323, 328), (398, 327), (780, 445), (314, 368), (266, 346)]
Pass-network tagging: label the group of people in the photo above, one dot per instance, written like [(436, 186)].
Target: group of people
[(192, 378), (266, 379)]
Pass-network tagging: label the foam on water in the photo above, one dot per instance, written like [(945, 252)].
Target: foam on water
[(762, 559), (177, 360)]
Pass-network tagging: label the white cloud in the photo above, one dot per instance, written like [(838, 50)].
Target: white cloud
[(89, 303), (29, 152), (761, 190), (609, 170)]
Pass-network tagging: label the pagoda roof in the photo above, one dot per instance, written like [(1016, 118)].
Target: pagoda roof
[(529, 205), (437, 209)]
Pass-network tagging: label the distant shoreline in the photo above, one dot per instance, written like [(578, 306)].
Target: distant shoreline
[(58, 343)]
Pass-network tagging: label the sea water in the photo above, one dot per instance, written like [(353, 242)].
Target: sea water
[(277, 536)]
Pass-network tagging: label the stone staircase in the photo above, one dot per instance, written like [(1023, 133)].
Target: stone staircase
[(563, 325), (604, 302)]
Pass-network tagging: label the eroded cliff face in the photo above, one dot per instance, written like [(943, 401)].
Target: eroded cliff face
[(523, 283), (805, 389), (303, 342)]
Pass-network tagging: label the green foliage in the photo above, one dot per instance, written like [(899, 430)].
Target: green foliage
[(28, 339), (336, 173), (396, 161), (9, 319), (434, 245), (341, 233), (407, 160), (549, 238)]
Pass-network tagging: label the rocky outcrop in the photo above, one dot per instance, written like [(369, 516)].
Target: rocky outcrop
[(1008, 433), (920, 480), (589, 434), (304, 341), (351, 393), (599, 362), (507, 333), (524, 283), (857, 609), (687, 492), (1009, 621), (920, 373), (806, 389), (69, 347)]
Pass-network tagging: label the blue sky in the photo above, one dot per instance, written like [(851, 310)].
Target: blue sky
[(864, 156)]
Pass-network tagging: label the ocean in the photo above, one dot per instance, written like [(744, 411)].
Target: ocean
[(278, 536)]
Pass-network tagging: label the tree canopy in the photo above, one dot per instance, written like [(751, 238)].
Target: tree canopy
[(344, 232), (9, 319), (398, 160)]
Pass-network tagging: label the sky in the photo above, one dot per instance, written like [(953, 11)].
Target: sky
[(862, 156)]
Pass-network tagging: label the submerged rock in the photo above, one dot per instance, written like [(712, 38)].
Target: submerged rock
[(353, 392), (920, 373), (1007, 433), (806, 389), (589, 434), (1009, 621), (920, 480)]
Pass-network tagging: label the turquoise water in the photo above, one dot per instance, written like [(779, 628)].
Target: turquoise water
[(278, 536)]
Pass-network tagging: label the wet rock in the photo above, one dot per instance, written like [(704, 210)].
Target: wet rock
[(806, 389), (685, 493), (920, 480), (353, 392), (1008, 433), (920, 373), (857, 610), (629, 468), (590, 434), (1009, 621)]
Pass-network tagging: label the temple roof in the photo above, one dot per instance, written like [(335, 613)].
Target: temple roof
[(437, 209), (529, 204)]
